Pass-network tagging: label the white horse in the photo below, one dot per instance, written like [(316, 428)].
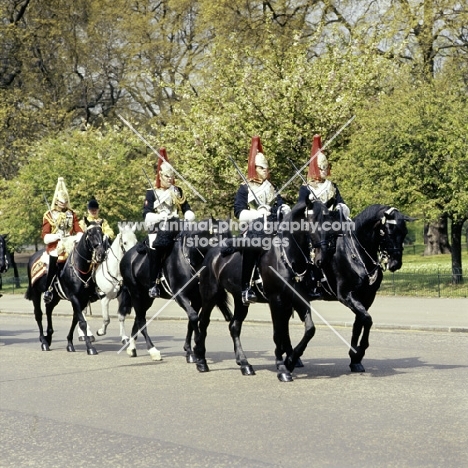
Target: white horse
[(109, 280)]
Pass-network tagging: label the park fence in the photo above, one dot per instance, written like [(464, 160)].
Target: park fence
[(416, 283)]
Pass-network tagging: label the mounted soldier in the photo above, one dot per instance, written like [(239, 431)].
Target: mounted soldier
[(256, 200), (60, 229), (319, 187), (163, 205), (93, 216)]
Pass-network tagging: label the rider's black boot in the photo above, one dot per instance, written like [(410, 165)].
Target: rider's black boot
[(249, 259), (52, 271)]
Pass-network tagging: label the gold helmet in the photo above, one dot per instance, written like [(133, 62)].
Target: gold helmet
[(61, 198), (164, 168)]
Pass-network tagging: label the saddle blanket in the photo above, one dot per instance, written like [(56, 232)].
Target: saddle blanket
[(39, 267)]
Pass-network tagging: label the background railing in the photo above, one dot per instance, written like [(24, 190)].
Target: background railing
[(424, 283)]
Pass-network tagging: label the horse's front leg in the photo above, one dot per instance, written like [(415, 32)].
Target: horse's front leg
[(280, 314), (105, 316), (362, 323), (78, 317), (293, 360), (192, 326), (235, 328)]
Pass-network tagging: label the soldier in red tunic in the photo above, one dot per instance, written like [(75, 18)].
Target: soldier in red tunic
[(59, 224)]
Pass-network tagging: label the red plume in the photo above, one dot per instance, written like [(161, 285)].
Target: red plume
[(162, 152), (314, 171), (255, 147)]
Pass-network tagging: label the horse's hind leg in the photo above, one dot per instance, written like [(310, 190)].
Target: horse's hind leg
[(235, 328), (44, 340), (105, 316)]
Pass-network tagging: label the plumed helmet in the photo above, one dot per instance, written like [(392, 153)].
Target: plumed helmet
[(163, 167), (61, 194), (256, 158), (319, 160), (93, 204)]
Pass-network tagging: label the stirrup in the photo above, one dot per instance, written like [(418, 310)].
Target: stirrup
[(315, 293), (48, 296), (248, 297), (154, 292)]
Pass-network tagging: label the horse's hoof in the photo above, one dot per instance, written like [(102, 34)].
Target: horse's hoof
[(284, 377), (45, 347), (155, 354), (190, 358), (49, 339), (132, 352), (91, 351), (247, 370), (299, 363), (202, 367), (357, 367), (70, 348), (100, 333)]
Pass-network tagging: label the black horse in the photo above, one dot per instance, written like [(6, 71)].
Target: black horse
[(304, 238), (74, 283), (181, 264), (355, 273), (4, 263)]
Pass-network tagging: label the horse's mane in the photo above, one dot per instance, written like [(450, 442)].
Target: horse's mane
[(369, 214)]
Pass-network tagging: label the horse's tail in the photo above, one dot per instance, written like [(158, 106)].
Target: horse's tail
[(28, 294), (125, 302), (228, 248), (222, 302)]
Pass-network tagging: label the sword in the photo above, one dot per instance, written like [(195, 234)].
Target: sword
[(302, 177), (245, 180), (151, 185), (315, 155), (129, 125), (48, 206)]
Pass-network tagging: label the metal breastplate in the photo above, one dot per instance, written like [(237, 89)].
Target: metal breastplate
[(62, 223), (164, 202), (265, 193), (324, 191)]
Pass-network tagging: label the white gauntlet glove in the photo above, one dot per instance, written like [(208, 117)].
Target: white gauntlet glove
[(189, 215), (249, 215), (344, 209), (49, 238)]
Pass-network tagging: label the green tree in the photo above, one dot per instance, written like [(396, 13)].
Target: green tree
[(105, 164), (411, 150)]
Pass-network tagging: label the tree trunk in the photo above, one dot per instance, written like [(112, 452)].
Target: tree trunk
[(457, 272), (436, 237)]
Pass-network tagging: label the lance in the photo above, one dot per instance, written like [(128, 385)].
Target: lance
[(245, 180), (146, 142), (315, 155)]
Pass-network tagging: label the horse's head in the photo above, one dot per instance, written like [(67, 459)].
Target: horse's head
[(126, 238), (392, 231), (93, 238), (3, 255), (207, 233), (313, 219)]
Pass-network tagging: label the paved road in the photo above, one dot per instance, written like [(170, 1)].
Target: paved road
[(60, 409)]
